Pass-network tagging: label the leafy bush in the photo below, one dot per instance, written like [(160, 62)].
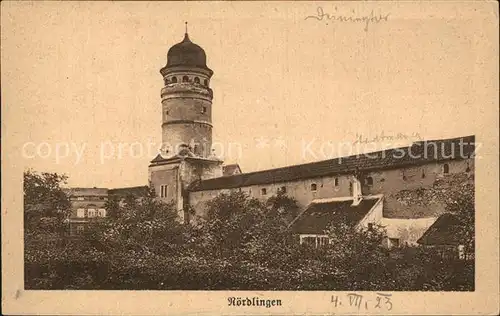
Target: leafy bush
[(242, 244)]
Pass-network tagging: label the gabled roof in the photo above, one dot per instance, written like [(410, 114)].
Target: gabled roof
[(229, 170), (318, 216), (444, 231), (418, 153)]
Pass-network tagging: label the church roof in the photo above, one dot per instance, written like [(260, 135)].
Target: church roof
[(418, 153), (318, 216)]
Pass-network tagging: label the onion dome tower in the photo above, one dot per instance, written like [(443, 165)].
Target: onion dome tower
[(186, 101)]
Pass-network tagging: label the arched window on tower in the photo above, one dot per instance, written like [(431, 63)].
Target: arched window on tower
[(185, 79), (174, 79), (446, 168), (205, 82), (196, 80)]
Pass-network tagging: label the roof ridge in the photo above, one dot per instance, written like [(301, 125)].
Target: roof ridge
[(346, 157)]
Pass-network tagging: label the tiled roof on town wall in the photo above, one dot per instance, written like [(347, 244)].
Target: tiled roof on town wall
[(418, 153), (444, 231), (318, 216), (136, 191)]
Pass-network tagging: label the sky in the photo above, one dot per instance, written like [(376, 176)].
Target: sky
[(81, 79)]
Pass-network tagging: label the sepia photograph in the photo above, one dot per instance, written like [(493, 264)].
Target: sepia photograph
[(330, 147)]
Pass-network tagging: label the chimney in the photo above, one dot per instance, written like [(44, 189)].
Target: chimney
[(356, 191)]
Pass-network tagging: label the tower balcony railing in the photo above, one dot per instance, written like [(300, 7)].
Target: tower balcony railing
[(180, 87)]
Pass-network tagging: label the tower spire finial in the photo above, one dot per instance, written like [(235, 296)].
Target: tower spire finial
[(186, 36)]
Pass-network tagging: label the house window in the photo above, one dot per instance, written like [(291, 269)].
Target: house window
[(79, 229), (308, 241), (446, 168), (204, 110), (174, 79), (163, 191), (322, 241), (263, 191), (314, 187), (314, 240), (80, 212), (369, 181), (423, 174), (370, 226), (468, 168), (282, 189), (91, 212), (394, 242), (196, 80), (185, 79), (336, 182), (350, 188), (101, 212), (250, 192)]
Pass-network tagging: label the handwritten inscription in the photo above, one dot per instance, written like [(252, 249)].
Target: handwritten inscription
[(381, 301), (361, 139), (321, 15)]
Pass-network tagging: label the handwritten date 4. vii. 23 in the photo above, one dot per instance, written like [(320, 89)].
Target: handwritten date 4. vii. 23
[(381, 301)]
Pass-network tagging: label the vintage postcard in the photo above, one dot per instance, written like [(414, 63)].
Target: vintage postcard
[(250, 158)]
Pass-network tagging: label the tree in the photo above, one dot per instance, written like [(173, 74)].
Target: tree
[(112, 207), (283, 206), (46, 205)]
